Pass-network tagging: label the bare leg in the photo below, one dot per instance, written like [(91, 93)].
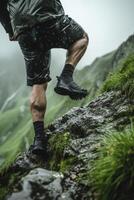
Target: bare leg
[(77, 50), (65, 84), (38, 105), (38, 102)]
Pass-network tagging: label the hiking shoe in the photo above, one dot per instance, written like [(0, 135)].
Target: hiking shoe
[(70, 88), (39, 146)]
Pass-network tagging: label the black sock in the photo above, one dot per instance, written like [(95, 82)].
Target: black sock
[(67, 71), (38, 128)]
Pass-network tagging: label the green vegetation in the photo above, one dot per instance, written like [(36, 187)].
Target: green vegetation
[(59, 142), (58, 161), (122, 79), (67, 163), (15, 135), (3, 192), (112, 174)]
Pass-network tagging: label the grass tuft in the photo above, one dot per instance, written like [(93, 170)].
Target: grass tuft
[(112, 174), (58, 144)]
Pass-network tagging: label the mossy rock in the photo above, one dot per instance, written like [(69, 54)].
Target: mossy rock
[(58, 161), (67, 163)]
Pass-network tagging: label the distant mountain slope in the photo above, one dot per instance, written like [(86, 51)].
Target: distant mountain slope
[(96, 73)]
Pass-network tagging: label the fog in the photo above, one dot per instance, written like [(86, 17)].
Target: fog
[(108, 23)]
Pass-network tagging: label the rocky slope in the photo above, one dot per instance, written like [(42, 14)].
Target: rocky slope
[(73, 138), (72, 144)]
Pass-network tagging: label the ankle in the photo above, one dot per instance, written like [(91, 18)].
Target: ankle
[(38, 129), (68, 70)]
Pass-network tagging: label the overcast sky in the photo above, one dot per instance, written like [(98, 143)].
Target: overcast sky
[(107, 22)]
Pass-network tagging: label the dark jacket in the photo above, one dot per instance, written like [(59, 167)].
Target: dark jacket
[(4, 17), (27, 13)]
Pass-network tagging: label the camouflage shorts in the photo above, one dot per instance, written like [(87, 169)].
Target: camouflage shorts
[(36, 45)]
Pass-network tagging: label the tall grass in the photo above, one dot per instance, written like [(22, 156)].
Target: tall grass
[(112, 174)]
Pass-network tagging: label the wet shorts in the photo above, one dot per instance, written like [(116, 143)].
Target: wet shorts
[(37, 42)]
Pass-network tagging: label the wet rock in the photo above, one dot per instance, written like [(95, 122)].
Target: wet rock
[(86, 125), (39, 184), (28, 161)]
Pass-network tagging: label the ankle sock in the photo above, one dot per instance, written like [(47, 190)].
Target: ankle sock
[(68, 71), (38, 128)]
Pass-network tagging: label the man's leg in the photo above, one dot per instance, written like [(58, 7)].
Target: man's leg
[(77, 50), (66, 85), (38, 105), (37, 62), (74, 54), (71, 36)]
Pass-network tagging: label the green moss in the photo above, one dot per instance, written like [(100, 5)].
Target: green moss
[(57, 144), (3, 192), (122, 79), (66, 164), (113, 171), (58, 161)]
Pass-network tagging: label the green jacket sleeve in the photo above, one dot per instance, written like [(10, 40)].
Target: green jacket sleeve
[(4, 17)]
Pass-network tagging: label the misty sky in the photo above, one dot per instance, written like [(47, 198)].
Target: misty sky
[(107, 22)]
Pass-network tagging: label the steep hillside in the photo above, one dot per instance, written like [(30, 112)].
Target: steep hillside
[(15, 137), (89, 152)]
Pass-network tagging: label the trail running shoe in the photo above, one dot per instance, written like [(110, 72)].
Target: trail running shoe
[(70, 88)]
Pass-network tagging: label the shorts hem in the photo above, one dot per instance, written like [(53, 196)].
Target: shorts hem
[(31, 83)]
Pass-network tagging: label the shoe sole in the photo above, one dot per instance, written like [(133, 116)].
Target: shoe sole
[(71, 94)]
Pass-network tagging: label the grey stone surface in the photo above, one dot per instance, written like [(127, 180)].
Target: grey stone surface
[(39, 184)]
